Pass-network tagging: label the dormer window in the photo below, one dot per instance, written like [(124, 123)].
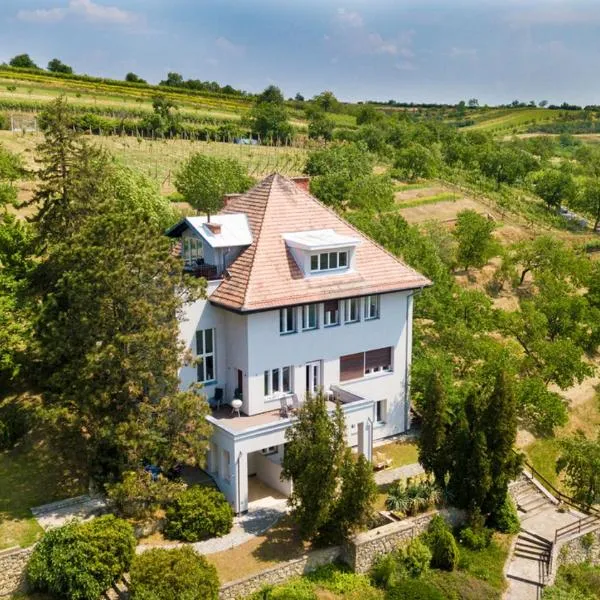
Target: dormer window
[(321, 251), (328, 261)]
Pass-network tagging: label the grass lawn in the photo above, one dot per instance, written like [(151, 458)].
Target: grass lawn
[(543, 452), (401, 453), (279, 544), (32, 474)]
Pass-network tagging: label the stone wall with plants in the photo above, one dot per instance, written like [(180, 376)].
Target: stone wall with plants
[(12, 570), (585, 548), (364, 549)]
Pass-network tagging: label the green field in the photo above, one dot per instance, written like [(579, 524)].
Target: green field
[(509, 119)]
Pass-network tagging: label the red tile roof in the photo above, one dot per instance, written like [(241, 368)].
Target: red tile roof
[(265, 275)]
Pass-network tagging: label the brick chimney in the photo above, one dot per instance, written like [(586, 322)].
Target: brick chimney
[(228, 197), (302, 182), (214, 227)]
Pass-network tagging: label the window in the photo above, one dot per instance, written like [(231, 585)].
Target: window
[(191, 251), (378, 360), (380, 411), (205, 352), (328, 261), (331, 313), (278, 380), (287, 320), (355, 366), (310, 316), (226, 461), (371, 307), (352, 310), (270, 450)]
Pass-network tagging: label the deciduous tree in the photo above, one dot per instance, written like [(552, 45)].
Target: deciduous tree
[(475, 242), (57, 66), (203, 181), (579, 460), (22, 61)]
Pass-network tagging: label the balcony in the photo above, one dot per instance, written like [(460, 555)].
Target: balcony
[(209, 272)]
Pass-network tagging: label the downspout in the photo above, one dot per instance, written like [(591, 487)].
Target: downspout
[(406, 356), (371, 435)]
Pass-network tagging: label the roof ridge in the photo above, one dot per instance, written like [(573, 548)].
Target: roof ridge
[(349, 224), (255, 239)]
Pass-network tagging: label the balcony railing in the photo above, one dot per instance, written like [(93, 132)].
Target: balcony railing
[(209, 272)]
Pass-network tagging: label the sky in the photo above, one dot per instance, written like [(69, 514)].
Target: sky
[(408, 50)]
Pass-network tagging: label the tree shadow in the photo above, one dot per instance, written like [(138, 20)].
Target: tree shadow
[(282, 542)]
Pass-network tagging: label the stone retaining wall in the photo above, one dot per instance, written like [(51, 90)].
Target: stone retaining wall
[(364, 549), (584, 548), (12, 570), (280, 573)]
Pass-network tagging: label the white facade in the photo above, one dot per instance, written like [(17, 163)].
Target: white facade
[(248, 345)]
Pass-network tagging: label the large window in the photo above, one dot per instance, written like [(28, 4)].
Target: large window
[(355, 366), (371, 307), (328, 261), (352, 310), (287, 320), (191, 251), (310, 316), (278, 380), (205, 352), (331, 313)]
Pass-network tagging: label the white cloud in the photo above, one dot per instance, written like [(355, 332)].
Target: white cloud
[(349, 18), (380, 46), (228, 47), (84, 9)]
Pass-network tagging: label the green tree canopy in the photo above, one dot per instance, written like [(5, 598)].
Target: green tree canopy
[(579, 460), (371, 192), (22, 61), (416, 161), (475, 242), (269, 121), (555, 187), (203, 181), (588, 199), (270, 95), (57, 66), (132, 77), (316, 458)]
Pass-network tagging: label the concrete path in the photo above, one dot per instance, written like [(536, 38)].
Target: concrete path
[(81, 508), (259, 518), (527, 568), (390, 475)]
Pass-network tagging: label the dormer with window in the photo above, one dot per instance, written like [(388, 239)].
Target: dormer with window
[(322, 251)]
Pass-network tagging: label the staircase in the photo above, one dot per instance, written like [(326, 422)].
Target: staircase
[(543, 528)]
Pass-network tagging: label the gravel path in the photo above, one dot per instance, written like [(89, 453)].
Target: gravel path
[(391, 475)]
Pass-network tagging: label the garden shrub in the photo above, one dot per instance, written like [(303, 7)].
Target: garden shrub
[(413, 589), (197, 513), (412, 497), (139, 495), (79, 561), (475, 539), (416, 558), (295, 589), (506, 519), (339, 579), (173, 574), (384, 572), (441, 542)]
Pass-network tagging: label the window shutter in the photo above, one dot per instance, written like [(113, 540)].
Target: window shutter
[(352, 366), (380, 358)]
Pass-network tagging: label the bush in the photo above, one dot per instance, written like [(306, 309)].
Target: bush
[(506, 519), (413, 497), (413, 589), (14, 423), (139, 495), (81, 560), (296, 589), (475, 539), (384, 572), (441, 542), (173, 574), (340, 580), (416, 558), (197, 513)]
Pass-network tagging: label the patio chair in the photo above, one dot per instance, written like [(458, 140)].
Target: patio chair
[(217, 398), (296, 404)]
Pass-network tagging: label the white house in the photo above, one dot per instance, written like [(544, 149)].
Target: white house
[(298, 300)]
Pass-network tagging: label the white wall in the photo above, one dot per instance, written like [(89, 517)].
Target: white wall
[(268, 349), (269, 471)]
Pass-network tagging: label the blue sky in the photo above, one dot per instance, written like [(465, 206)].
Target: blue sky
[(409, 50)]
